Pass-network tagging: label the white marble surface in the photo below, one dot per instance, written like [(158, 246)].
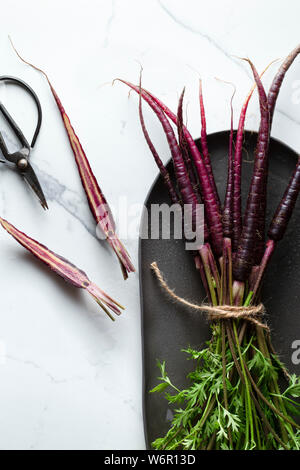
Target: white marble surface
[(70, 378)]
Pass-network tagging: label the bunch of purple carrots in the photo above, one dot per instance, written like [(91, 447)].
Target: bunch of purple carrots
[(234, 400)]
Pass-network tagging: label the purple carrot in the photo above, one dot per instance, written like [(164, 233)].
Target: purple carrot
[(278, 79), (237, 174), (184, 148), (227, 215), (269, 250), (185, 187), (211, 207), (280, 222), (194, 151), (253, 219), (163, 171), (226, 274), (211, 199), (68, 271), (200, 268), (237, 169), (205, 261), (204, 145), (184, 184), (96, 200), (173, 195), (185, 153), (285, 209)]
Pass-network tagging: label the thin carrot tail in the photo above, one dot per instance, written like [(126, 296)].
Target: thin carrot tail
[(122, 254), (104, 300)]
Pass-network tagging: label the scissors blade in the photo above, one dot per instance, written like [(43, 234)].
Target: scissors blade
[(31, 178)]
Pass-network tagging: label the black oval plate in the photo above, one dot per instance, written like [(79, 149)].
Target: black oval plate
[(167, 327)]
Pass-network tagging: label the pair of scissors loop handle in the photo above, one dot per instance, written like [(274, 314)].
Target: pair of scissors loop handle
[(20, 157), (10, 120)]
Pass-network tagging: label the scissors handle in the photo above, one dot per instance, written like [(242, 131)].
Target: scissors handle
[(16, 129), (20, 157), (12, 123)]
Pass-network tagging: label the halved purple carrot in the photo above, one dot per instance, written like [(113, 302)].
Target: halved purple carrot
[(97, 202), (278, 79), (68, 271), (211, 207), (254, 215), (204, 145)]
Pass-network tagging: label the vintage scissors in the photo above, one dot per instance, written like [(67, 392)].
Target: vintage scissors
[(21, 156)]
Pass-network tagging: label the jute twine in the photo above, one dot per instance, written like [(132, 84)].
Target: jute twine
[(219, 312)]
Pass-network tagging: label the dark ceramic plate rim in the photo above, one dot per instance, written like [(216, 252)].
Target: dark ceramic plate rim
[(198, 141)]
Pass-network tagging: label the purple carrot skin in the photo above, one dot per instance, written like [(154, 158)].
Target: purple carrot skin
[(244, 258), (186, 190), (226, 273), (185, 153), (184, 184), (204, 253), (237, 174), (279, 222), (200, 268), (237, 170), (68, 271), (253, 277), (211, 207), (163, 171), (196, 155), (261, 215), (227, 215), (214, 270), (285, 209), (184, 148), (97, 202), (168, 183), (227, 252), (278, 79), (270, 247), (204, 145), (211, 202)]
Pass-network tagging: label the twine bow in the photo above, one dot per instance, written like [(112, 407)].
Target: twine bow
[(219, 312)]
